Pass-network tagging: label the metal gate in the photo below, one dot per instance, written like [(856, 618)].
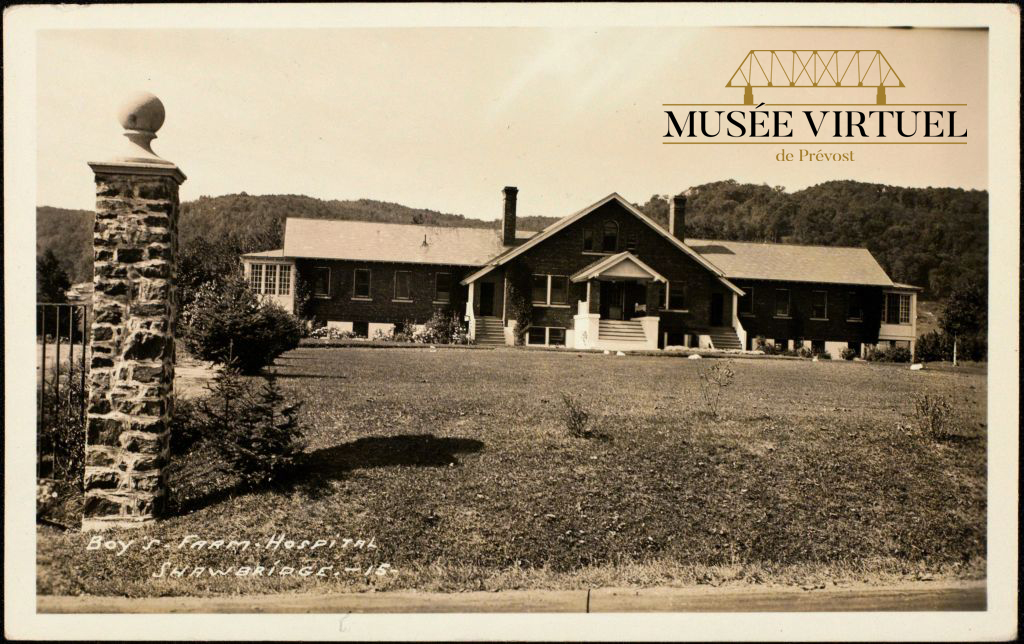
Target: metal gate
[(62, 348)]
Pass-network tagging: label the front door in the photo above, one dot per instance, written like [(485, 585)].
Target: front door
[(611, 300), (717, 309), (486, 299)]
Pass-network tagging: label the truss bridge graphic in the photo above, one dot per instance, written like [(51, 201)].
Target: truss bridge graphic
[(821, 68)]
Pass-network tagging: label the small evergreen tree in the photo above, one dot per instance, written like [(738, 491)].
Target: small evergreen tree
[(255, 431), (52, 280)]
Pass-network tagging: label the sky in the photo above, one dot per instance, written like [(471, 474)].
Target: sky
[(443, 118)]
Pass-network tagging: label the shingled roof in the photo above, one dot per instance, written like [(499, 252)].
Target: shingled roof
[(792, 263), (386, 242)]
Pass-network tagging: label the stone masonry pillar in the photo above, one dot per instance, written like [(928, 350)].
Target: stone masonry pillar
[(131, 377)]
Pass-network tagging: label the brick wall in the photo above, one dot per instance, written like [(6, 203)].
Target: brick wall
[(381, 306), (563, 254), (800, 325)]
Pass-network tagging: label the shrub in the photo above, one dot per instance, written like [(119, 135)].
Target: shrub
[(331, 333), (443, 328), (384, 335), (805, 352), (227, 322), (824, 355), (848, 353), (933, 414), (257, 433), (889, 354), (61, 430), (186, 425), (937, 346), (713, 380), (576, 416)]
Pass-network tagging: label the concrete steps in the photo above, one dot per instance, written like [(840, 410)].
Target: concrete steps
[(490, 332), (621, 331), (725, 338)]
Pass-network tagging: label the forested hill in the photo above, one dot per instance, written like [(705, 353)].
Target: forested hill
[(929, 237), (926, 236)]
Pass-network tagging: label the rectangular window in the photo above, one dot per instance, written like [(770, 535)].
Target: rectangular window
[(256, 278), (677, 297), (782, 302), (402, 290), (361, 329), (270, 279), (632, 241), (854, 309), (819, 305), (442, 287), (817, 346), (556, 337), (559, 289), (540, 289), (284, 284), (746, 303), (897, 308), (588, 239), (610, 237), (535, 335), (322, 281), (361, 288)]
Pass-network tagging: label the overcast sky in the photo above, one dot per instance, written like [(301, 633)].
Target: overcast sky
[(443, 118)]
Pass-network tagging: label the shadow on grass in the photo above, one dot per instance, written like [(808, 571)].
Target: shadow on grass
[(316, 470)]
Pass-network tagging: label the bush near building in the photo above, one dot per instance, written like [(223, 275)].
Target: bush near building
[(227, 322)]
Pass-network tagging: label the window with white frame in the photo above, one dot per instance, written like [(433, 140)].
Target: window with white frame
[(610, 237), (819, 305), (270, 279), (256, 278), (854, 308), (782, 302), (284, 280), (442, 287), (402, 282), (746, 303), (550, 290), (361, 284), (546, 336), (897, 308), (322, 281)]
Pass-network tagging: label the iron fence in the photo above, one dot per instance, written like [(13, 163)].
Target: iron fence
[(62, 349)]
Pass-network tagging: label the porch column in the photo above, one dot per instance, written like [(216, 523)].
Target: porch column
[(131, 377), (594, 287)]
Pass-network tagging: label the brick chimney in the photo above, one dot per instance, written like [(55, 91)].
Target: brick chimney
[(508, 224), (677, 217)]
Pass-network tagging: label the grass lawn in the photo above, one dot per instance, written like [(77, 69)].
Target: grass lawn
[(456, 463)]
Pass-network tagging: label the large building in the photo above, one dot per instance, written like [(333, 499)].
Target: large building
[(605, 277)]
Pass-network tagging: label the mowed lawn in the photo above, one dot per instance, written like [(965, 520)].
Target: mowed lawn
[(457, 464)]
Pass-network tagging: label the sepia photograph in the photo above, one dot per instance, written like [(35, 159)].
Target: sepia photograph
[(511, 311)]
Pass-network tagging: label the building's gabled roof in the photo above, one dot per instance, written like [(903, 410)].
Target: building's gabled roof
[(618, 261), (386, 242), (793, 263), (514, 252)]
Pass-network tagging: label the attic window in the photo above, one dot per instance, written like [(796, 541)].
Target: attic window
[(588, 239), (610, 238)]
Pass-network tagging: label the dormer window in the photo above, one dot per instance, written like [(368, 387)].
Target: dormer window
[(610, 237)]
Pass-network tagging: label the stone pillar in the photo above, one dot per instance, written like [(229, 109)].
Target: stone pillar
[(131, 377)]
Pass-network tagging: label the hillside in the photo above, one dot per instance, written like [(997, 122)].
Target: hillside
[(930, 237)]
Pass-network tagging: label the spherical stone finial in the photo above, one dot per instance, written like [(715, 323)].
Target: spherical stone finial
[(142, 112)]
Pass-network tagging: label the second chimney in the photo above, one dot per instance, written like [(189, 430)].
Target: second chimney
[(677, 217), (508, 223)]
